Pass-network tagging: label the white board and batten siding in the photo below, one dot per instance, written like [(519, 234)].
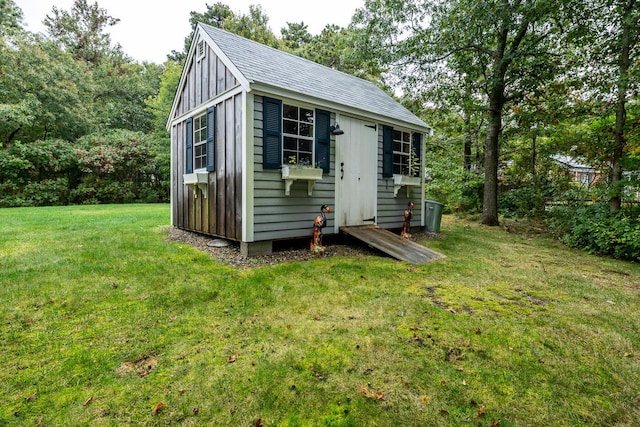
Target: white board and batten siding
[(276, 216)]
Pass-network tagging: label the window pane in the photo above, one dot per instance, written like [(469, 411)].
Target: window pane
[(405, 136), (290, 157), (406, 148), (290, 127), (290, 112), (306, 129), (397, 146), (305, 145), (305, 159), (290, 143), (306, 115)]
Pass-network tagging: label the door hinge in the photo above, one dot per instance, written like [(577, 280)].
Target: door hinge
[(374, 127), (370, 219)]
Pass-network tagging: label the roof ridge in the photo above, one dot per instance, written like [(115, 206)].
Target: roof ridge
[(244, 40)]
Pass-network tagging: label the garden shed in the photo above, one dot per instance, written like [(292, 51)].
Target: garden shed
[(261, 139)]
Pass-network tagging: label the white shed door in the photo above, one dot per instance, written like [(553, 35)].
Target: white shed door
[(356, 172)]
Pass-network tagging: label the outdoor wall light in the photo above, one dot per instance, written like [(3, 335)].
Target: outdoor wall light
[(335, 130)]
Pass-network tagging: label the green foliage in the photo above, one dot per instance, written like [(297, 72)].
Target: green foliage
[(37, 174), (448, 182), (595, 229), (10, 18), (44, 93), (82, 31), (118, 167)]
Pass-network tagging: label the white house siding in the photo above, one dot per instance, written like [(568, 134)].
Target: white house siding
[(277, 216), (391, 209)]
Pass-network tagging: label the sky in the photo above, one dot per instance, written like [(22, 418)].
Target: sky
[(149, 29)]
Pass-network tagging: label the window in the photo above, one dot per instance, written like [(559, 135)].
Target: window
[(297, 135), (402, 154), (200, 142)]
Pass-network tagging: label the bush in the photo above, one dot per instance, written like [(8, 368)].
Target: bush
[(37, 174), (596, 230)]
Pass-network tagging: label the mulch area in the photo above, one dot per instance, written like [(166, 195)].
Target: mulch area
[(283, 251)]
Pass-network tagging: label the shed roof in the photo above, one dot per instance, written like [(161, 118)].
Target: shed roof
[(265, 65)]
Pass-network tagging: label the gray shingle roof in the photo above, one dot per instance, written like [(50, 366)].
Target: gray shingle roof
[(263, 64)]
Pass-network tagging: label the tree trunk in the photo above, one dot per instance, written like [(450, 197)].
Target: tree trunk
[(467, 142), (490, 197), (534, 153), (615, 203)]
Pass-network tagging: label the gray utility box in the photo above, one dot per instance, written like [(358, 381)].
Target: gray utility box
[(433, 216)]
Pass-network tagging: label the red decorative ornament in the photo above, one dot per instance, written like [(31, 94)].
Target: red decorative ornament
[(316, 235), (406, 225)]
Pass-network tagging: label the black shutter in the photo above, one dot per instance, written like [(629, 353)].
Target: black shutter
[(323, 140), (188, 146), (417, 147), (387, 151), (211, 138), (272, 131)]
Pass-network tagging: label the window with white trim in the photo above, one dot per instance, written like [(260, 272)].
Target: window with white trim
[(402, 152), (297, 135), (200, 142)]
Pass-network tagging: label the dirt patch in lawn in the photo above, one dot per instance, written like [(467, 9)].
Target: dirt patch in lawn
[(141, 367)]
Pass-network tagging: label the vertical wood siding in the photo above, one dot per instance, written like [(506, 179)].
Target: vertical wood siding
[(277, 216), (220, 214), (391, 209), (206, 79)]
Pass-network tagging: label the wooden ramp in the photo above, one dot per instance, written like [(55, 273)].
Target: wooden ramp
[(392, 244)]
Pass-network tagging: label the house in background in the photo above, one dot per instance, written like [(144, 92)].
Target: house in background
[(261, 139), (581, 173)]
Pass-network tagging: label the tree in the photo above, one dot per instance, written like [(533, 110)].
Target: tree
[(295, 36), (44, 93), (507, 44), (10, 18), (82, 30)]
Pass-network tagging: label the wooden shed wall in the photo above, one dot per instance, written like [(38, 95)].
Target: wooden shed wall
[(220, 214), (391, 209), (277, 216), (206, 79)]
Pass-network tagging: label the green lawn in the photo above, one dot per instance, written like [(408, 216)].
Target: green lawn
[(104, 322)]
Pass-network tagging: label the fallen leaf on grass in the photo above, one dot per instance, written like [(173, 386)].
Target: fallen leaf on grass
[(481, 411), (30, 398), (426, 399), (495, 423), (258, 423), (444, 411), (195, 411), (88, 401), (628, 354), (157, 408), (370, 394), (233, 358)]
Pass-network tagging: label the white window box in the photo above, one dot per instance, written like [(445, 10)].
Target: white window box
[(294, 173), (400, 181), (197, 180)]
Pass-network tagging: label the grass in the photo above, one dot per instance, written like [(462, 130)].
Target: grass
[(102, 320)]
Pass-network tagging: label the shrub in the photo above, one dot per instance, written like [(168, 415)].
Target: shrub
[(595, 229)]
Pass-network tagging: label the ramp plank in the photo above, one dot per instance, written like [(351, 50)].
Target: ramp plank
[(392, 244)]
